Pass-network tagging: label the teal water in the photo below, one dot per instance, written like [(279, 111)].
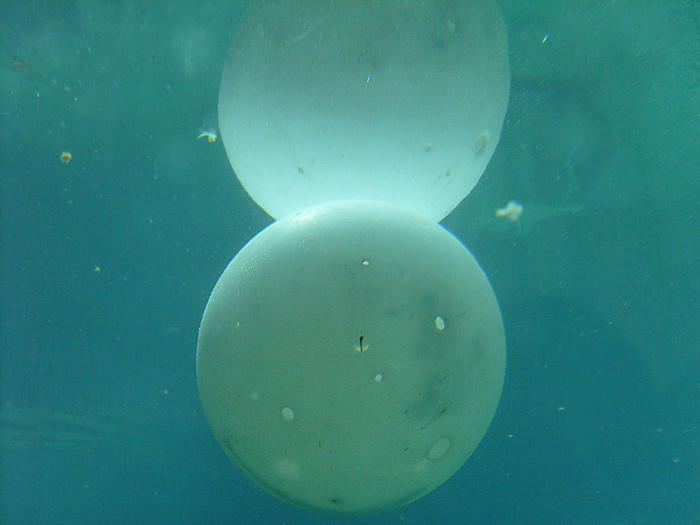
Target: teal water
[(108, 261)]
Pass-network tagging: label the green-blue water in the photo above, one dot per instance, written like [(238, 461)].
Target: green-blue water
[(108, 261)]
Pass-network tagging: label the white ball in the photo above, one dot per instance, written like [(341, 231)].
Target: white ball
[(320, 368), (400, 102)]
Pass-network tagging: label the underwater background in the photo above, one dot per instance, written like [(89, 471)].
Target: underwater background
[(108, 261)]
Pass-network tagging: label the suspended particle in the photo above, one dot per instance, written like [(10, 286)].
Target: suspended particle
[(66, 156), (439, 323), (511, 211), (287, 414), (210, 136)]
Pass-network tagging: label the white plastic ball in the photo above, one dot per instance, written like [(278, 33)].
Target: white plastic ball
[(400, 102), (320, 367)]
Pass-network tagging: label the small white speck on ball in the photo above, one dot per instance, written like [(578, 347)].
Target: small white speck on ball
[(287, 414), (439, 449), (439, 323), (287, 468)]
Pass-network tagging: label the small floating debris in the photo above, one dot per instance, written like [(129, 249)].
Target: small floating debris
[(210, 135), (362, 346), (512, 211)]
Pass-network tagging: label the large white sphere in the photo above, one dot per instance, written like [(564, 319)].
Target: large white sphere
[(351, 357), (401, 102)]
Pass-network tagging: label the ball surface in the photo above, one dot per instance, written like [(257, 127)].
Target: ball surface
[(351, 357)]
